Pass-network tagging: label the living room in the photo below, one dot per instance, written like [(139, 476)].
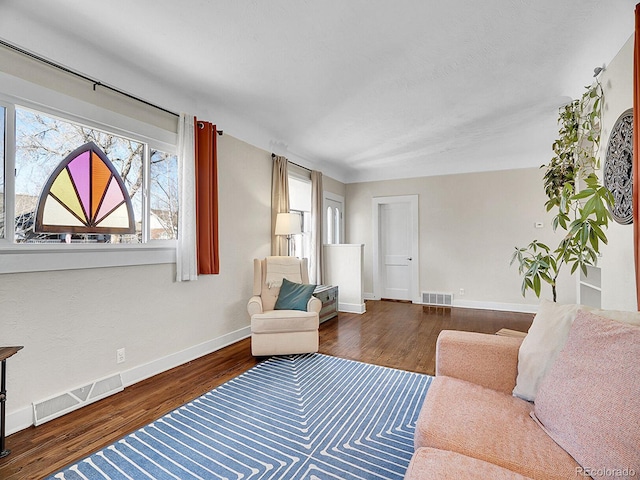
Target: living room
[(72, 320)]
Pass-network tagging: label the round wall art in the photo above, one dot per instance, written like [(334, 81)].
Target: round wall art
[(618, 168)]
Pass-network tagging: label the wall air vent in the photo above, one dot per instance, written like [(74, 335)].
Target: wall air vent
[(437, 298), (63, 403)]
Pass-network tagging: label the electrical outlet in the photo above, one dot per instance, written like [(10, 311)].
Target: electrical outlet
[(462, 291), (120, 355)]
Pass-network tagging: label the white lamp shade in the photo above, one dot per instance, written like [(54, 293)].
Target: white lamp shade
[(288, 224)]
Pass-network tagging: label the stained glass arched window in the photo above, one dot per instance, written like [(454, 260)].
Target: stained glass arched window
[(85, 194)]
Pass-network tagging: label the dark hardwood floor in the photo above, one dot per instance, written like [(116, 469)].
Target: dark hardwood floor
[(393, 334)]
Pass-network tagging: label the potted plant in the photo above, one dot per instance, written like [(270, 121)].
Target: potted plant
[(574, 191)]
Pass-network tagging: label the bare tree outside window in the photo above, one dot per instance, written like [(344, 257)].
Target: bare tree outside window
[(42, 141), (163, 192)]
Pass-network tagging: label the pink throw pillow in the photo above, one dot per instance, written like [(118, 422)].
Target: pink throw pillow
[(589, 402)]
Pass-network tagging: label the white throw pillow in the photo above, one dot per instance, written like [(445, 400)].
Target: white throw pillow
[(547, 335)]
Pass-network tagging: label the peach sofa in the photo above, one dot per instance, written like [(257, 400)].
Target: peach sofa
[(472, 425), (470, 412)]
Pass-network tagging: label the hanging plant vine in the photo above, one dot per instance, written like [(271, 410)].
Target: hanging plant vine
[(574, 191)]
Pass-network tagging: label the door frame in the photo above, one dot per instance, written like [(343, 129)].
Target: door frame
[(377, 253)]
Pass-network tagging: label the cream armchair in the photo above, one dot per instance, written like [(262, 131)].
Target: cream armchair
[(281, 332)]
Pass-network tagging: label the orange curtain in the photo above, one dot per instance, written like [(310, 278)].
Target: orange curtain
[(206, 198)]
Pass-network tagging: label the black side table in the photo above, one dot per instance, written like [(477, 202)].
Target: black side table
[(5, 352)]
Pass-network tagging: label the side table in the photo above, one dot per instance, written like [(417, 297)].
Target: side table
[(328, 295), (5, 352)]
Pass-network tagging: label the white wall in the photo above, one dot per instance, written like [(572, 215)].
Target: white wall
[(71, 322), (469, 224), (618, 274), (333, 186), (469, 227)]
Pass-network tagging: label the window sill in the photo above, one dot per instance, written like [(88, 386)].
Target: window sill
[(41, 258)]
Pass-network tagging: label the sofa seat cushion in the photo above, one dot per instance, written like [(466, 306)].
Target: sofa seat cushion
[(488, 425), (431, 463), (281, 321)]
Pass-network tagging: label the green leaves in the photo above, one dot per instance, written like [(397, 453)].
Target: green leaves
[(574, 191), (536, 265)]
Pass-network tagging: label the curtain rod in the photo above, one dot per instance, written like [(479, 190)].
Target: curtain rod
[(96, 83), (273, 155), (201, 126)]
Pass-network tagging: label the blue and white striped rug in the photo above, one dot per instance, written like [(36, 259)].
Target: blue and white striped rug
[(292, 417)]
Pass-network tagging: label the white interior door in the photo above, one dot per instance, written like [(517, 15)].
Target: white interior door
[(395, 232), (395, 249)]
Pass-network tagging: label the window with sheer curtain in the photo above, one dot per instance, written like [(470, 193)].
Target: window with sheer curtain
[(300, 203)]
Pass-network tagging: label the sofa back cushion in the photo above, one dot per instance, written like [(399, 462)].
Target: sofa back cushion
[(589, 402)]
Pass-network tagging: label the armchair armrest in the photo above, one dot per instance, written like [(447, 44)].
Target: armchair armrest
[(255, 305), (483, 359), (314, 305)]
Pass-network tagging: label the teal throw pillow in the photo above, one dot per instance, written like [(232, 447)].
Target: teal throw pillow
[(294, 296)]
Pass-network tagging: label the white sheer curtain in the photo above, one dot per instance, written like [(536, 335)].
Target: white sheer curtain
[(186, 253), (315, 260)]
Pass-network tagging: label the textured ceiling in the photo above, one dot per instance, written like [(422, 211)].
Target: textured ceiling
[(360, 89)]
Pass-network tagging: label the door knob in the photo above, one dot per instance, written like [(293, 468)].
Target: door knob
[(409, 258)]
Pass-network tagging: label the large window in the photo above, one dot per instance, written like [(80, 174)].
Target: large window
[(43, 140), (300, 202), (37, 144)]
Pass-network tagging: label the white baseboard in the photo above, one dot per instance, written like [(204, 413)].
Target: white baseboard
[(499, 306), (19, 419), (480, 305), (23, 418), (142, 372), (352, 307)]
